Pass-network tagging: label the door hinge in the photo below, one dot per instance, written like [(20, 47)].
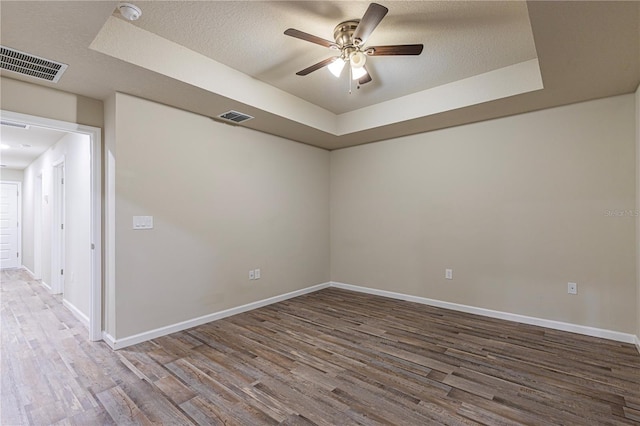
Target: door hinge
[(62, 181), (93, 246), (62, 226), (18, 254), (61, 271)]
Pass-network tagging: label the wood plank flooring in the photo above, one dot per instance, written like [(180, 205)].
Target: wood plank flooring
[(331, 357)]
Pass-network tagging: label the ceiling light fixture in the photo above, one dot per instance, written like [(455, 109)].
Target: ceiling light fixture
[(358, 73), (336, 67), (129, 11), (5, 146), (357, 59)]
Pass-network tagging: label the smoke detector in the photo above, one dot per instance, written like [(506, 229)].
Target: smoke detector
[(129, 11)]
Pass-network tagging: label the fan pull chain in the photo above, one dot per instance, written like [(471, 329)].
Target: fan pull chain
[(350, 78)]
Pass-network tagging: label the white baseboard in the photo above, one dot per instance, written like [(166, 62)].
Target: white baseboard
[(163, 331), (76, 312), (556, 325), (109, 340), (47, 286), (28, 270)]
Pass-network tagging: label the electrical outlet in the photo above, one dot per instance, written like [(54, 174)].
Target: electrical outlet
[(448, 274), (252, 275), (572, 288), (256, 273)]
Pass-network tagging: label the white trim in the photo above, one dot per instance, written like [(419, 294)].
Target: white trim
[(109, 340), (637, 342), (47, 286), (163, 331), (28, 270), (556, 325), (95, 135), (76, 312)]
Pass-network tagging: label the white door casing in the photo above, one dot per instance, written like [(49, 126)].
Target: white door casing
[(10, 225)]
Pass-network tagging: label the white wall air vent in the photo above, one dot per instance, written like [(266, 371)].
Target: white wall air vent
[(235, 116), (31, 65)]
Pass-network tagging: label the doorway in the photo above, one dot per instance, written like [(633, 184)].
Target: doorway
[(94, 137), (10, 230)]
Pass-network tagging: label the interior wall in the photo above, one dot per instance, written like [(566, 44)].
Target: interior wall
[(11, 174), (517, 207), (75, 149), (26, 98), (224, 200)]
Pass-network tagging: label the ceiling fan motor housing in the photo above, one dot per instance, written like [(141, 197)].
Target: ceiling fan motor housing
[(343, 34)]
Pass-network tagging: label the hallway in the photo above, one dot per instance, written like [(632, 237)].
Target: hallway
[(51, 373)]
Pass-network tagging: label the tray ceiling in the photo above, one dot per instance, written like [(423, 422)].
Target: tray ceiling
[(481, 60)]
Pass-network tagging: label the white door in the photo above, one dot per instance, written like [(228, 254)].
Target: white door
[(9, 226), (58, 237)]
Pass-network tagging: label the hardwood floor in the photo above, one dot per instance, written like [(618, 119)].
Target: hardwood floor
[(331, 357)]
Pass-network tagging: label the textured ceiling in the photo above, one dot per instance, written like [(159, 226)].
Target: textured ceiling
[(461, 39), (584, 50)]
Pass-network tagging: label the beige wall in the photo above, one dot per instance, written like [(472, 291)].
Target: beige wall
[(515, 206), (27, 98), (225, 200)]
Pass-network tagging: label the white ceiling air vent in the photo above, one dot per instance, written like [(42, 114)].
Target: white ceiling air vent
[(235, 116), (31, 65)]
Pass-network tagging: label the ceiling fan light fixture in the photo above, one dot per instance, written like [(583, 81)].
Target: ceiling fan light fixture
[(357, 59), (336, 67), (358, 73)]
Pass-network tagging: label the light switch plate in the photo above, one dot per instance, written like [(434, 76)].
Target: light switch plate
[(257, 274), (143, 222)]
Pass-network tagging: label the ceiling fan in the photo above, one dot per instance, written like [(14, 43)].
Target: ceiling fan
[(350, 38)]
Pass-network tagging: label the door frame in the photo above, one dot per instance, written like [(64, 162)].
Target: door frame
[(57, 227), (19, 196), (95, 136)]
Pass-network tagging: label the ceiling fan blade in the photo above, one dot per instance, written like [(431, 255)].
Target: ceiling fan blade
[(309, 37), (372, 17), (317, 66), (400, 49), (365, 78)]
